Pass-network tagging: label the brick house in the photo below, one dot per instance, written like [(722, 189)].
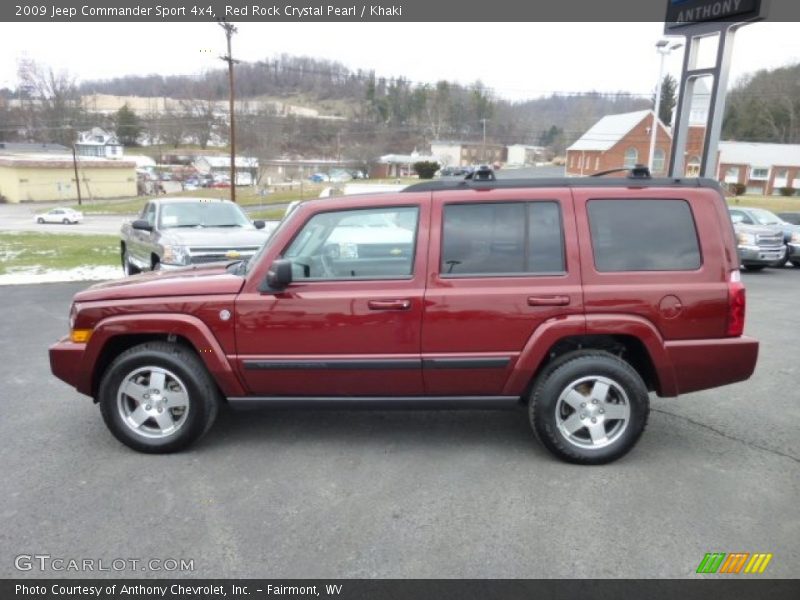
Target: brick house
[(617, 141), (762, 168)]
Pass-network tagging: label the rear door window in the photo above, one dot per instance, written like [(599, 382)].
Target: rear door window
[(643, 235), (502, 238)]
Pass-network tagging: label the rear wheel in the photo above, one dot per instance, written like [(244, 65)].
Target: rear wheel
[(589, 407), (65, 221), (40, 220), (158, 397)]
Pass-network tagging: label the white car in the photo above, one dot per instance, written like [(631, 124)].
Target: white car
[(60, 215)]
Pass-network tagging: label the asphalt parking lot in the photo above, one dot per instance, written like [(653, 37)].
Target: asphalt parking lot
[(402, 494)]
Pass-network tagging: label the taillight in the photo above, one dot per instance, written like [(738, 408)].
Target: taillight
[(736, 306)]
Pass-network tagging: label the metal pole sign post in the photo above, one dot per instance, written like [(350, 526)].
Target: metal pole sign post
[(695, 20)]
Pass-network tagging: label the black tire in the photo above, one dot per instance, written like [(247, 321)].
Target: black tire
[(40, 220), (755, 267), (65, 221), (796, 263), (556, 381), (184, 370), (127, 267)]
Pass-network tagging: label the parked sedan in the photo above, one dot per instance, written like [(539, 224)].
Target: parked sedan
[(60, 215), (765, 218)]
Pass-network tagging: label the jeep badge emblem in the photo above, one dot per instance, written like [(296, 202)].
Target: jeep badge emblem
[(224, 314)]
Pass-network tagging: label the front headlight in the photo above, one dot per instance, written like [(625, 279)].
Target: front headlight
[(746, 239), (176, 255), (795, 239)]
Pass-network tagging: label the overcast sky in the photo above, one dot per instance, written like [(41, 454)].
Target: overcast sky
[(516, 60)]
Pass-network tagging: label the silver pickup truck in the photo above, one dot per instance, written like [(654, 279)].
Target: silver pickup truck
[(175, 232)]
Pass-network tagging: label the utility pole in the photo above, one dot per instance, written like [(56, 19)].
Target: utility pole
[(77, 180), (483, 151), (230, 29)]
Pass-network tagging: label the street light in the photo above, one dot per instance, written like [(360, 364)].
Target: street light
[(664, 49)]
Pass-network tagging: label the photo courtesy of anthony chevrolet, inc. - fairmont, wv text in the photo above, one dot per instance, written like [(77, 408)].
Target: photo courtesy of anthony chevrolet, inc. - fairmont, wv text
[(399, 299)]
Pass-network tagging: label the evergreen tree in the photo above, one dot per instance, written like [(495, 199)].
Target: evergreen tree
[(128, 126)]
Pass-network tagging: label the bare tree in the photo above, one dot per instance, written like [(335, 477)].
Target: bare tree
[(53, 111)]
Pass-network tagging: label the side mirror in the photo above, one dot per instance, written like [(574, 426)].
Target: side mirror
[(142, 225), (278, 277), (259, 224)]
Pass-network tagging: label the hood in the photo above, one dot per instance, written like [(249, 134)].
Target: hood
[(185, 281), (758, 229), (223, 237)]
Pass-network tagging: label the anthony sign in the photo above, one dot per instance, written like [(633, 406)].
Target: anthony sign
[(686, 12)]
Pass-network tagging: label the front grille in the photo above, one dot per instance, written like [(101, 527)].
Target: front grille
[(205, 254), (769, 240)]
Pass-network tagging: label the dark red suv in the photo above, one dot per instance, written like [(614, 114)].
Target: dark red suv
[(573, 297)]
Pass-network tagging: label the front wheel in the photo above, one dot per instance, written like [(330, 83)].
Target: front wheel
[(127, 267), (40, 220), (589, 407), (755, 267), (158, 397)]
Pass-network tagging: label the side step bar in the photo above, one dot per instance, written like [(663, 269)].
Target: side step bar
[(376, 402)]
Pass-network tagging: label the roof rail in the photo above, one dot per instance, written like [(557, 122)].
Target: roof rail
[(635, 172)]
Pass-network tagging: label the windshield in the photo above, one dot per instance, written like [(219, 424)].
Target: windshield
[(764, 217), (202, 214)]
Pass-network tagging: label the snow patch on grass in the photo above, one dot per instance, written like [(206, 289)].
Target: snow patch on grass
[(28, 275)]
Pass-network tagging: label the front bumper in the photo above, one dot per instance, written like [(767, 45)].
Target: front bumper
[(758, 255), (65, 363), (794, 251)]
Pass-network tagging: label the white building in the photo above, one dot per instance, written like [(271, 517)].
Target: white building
[(220, 165), (98, 142), (524, 156)]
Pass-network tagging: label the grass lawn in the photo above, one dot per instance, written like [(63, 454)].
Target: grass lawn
[(246, 196), (773, 203), (56, 251)]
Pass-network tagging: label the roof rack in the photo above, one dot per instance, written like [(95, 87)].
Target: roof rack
[(634, 172), (482, 173), (560, 182)]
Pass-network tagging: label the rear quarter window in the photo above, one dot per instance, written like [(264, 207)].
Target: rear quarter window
[(643, 235)]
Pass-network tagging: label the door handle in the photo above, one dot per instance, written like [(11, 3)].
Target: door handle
[(548, 300), (404, 304)]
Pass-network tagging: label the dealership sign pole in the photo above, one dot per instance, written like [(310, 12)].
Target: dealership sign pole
[(695, 20)]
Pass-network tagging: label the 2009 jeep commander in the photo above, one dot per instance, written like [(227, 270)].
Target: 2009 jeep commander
[(575, 297)]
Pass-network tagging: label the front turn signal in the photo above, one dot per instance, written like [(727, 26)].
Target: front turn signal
[(80, 336)]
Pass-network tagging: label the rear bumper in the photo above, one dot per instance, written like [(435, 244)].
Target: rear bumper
[(65, 363), (704, 364)]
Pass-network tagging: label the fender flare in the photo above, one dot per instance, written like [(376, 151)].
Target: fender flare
[(187, 326), (550, 332)]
